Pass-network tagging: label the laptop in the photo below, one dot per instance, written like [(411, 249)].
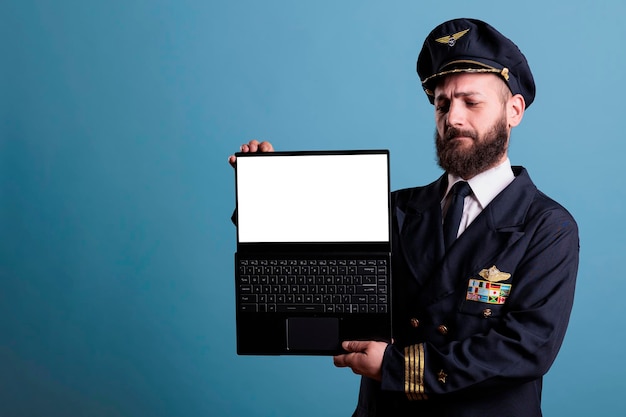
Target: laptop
[(313, 258)]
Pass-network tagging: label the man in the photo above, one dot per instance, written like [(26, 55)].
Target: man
[(479, 316)]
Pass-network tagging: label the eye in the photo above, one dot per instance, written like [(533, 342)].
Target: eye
[(442, 108)]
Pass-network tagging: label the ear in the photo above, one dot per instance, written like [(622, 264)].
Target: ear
[(515, 109)]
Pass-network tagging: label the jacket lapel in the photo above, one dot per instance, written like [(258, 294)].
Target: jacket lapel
[(421, 234), (498, 227)]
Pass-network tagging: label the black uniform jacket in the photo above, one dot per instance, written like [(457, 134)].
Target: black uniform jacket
[(475, 328)]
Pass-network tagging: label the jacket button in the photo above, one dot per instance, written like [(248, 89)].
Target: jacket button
[(442, 329), (415, 323), (487, 313)]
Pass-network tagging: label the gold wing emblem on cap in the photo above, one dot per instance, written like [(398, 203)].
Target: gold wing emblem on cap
[(493, 274), (450, 40)]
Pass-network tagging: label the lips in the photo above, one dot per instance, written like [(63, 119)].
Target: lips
[(458, 134)]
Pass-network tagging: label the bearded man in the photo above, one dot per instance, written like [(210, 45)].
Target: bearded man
[(483, 264)]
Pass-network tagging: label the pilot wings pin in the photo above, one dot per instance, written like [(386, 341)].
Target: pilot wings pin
[(493, 274)]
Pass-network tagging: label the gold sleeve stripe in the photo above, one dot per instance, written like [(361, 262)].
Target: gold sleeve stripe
[(414, 372)]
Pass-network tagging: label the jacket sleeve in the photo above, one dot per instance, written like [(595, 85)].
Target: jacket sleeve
[(522, 343)]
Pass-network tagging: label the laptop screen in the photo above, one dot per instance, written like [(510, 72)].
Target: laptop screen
[(308, 197)]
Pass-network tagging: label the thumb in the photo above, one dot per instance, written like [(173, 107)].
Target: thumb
[(354, 346)]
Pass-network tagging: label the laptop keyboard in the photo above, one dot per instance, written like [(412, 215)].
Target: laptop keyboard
[(313, 286)]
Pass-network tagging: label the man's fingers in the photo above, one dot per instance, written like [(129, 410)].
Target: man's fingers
[(266, 147), (252, 146), (340, 361), (363, 357), (347, 359), (256, 146), (354, 346)]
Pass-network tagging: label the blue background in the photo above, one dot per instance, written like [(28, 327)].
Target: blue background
[(116, 248)]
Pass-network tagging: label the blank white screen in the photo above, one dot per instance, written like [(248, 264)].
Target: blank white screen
[(313, 198)]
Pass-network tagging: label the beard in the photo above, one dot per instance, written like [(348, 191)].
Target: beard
[(484, 153)]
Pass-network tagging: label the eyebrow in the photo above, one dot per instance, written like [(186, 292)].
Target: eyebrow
[(460, 94)]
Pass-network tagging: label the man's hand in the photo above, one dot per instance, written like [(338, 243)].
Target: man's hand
[(364, 358), (252, 146)]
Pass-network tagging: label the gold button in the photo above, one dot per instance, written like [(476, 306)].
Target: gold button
[(487, 313), (442, 329), (415, 323)]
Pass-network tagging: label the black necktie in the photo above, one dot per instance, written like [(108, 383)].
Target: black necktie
[(459, 191)]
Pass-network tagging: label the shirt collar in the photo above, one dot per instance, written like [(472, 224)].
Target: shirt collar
[(488, 184)]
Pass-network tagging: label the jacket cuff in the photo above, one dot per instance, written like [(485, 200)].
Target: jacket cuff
[(414, 365), (393, 369), (403, 370)]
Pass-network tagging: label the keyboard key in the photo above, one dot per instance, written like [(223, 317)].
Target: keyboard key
[(366, 270), (300, 308), (248, 298), (362, 289), (248, 308), (369, 280)]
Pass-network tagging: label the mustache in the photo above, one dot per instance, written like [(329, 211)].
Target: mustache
[(454, 132)]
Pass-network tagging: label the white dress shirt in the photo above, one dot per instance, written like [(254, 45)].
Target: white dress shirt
[(485, 187)]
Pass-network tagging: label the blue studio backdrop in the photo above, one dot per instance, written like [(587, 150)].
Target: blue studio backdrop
[(116, 246)]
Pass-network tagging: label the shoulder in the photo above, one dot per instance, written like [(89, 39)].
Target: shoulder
[(536, 209), (419, 196), (552, 217), (539, 202)]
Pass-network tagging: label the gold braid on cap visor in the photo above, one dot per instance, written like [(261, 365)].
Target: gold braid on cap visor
[(504, 72)]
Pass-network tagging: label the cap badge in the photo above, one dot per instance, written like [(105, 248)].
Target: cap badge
[(493, 274), (505, 73), (450, 40)]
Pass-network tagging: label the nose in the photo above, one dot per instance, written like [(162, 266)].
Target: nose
[(456, 115)]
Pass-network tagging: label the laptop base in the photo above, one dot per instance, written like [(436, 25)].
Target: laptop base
[(316, 336)]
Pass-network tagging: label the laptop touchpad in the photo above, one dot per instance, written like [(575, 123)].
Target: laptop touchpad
[(313, 333)]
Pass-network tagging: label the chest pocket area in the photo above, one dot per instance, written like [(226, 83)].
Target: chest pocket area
[(485, 299)]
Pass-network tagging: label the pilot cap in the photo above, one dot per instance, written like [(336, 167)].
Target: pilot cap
[(470, 45)]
